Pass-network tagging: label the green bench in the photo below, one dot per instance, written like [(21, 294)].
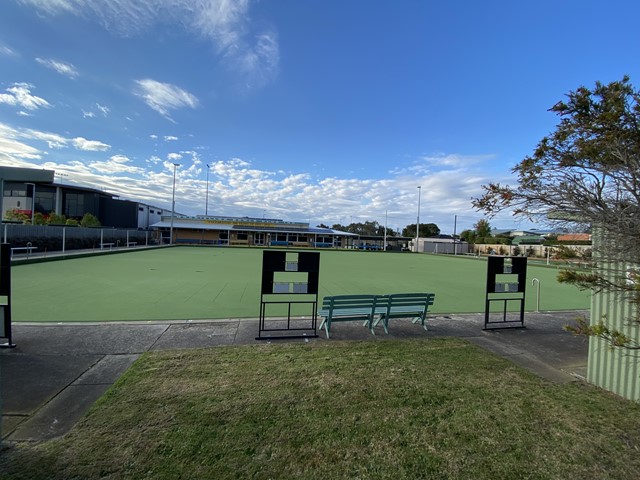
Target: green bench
[(374, 309), (404, 305), (341, 308)]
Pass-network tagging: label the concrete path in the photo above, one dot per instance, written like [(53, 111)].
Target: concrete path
[(57, 371)]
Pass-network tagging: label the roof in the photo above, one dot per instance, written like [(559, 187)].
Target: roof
[(575, 237), (226, 227)]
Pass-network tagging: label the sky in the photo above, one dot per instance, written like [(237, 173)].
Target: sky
[(332, 112)]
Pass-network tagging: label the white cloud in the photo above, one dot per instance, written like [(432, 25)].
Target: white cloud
[(252, 53), (103, 109), (164, 97), (7, 52), (20, 95), (236, 187), (90, 145), (170, 138), (66, 69), (88, 114), (54, 141), (116, 164)]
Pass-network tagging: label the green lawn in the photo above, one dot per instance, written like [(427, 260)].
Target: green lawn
[(207, 283), (429, 408)]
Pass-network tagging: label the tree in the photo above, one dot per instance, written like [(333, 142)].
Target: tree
[(90, 220), (55, 219), (587, 173), (426, 230), (39, 219), (469, 236), (482, 228)]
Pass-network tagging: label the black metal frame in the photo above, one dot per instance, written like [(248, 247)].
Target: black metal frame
[(5, 290), (276, 261), (501, 292)]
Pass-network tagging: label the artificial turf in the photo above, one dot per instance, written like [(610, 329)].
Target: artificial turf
[(207, 283)]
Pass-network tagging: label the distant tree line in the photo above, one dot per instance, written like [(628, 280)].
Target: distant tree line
[(375, 229)]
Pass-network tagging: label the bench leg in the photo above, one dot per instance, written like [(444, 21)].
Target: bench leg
[(420, 319), (385, 324)]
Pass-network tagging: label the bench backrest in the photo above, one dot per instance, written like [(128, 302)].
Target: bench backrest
[(355, 306), (411, 299), (337, 302)]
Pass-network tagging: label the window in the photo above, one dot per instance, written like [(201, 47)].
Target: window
[(74, 205), (45, 201)]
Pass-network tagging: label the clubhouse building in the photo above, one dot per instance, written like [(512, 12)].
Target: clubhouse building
[(29, 191), (219, 230)]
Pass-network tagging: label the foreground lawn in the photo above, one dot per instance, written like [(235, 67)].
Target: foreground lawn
[(436, 408)]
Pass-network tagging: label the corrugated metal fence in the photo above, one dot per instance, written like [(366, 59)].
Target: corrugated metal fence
[(614, 369)]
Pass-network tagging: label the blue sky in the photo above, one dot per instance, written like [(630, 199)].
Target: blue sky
[(322, 111)]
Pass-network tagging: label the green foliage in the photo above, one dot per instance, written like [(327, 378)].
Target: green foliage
[(39, 219), (564, 252), (614, 338), (55, 219), (367, 228), (17, 216), (481, 234), (426, 230), (72, 222), (90, 220), (482, 228)]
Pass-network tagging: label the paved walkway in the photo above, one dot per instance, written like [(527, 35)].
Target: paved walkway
[(57, 371)]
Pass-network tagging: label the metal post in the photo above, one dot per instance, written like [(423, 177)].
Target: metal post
[(455, 243), (173, 203), (206, 202), (534, 282), (64, 238), (384, 246), (418, 221)]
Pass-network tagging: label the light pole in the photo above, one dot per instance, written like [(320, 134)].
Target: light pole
[(418, 221), (173, 203), (206, 201), (33, 200)]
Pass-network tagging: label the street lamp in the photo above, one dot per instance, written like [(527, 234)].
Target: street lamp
[(33, 200), (418, 222), (173, 203), (206, 201)]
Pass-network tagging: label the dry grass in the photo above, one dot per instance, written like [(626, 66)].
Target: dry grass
[(436, 408)]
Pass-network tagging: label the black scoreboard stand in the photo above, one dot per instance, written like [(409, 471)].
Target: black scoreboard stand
[(5, 296), (289, 279), (506, 282)]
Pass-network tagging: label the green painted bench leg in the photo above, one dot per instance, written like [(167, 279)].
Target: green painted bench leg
[(385, 323), (421, 320)]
